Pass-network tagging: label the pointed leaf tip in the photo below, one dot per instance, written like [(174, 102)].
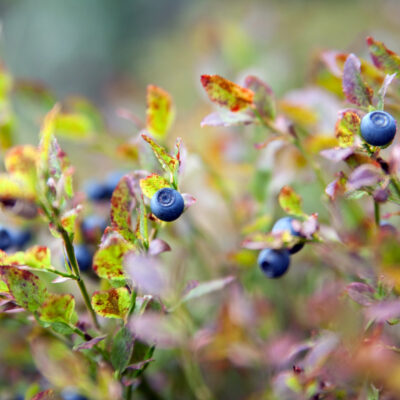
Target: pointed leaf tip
[(226, 93)]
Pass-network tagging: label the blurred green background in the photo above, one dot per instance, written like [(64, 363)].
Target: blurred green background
[(112, 49)]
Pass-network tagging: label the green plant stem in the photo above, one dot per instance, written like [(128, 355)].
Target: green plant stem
[(396, 185), (74, 264), (70, 276), (377, 213)]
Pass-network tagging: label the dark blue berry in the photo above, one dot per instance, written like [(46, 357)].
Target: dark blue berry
[(378, 128), (84, 257), (20, 237), (5, 238), (97, 191), (167, 204), (93, 227), (286, 224), (112, 181), (274, 263), (71, 395)]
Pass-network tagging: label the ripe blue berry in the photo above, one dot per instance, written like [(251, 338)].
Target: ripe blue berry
[(5, 238), (93, 227), (84, 257), (378, 128), (112, 181), (20, 237), (286, 224), (274, 263), (167, 204), (97, 191)]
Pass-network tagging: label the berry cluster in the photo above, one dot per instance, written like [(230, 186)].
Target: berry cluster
[(275, 262)]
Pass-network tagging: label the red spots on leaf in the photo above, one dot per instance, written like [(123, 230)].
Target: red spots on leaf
[(226, 93)]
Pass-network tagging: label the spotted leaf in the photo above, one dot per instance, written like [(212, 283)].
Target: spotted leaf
[(382, 57), (152, 184), (226, 93), (355, 89), (160, 111), (347, 127), (108, 259), (59, 308), (123, 201), (113, 303), (290, 201), (168, 163), (264, 99), (27, 289)]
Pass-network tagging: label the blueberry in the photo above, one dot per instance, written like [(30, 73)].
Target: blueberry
[(5, 238), (167, 204), (274, 263), (72, 395), (84, 257), (378, 128), (286, 224), (93, 227), (112, 180), (97, 191), (20, 237)]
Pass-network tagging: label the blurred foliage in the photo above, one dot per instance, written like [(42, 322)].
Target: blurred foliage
[(255, 338)]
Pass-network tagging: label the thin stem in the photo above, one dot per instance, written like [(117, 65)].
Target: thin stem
[(63, 274), (377, 213), (395, 184), (74, 264)]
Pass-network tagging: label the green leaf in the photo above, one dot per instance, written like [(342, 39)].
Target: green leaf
[(108, 259), (113, 303), (143, 234), (27, 289), (226, 93), (264, 99), (123, 201), (347, 127), (58, 308), (355, 89), (160, 111), (20, 161), (54, 169), (290, 201), (168, 163), (34, 257), (152, 184), (382, 57), (68, 220), (205, 288), (74, 126), (15, 187), (121, 350)]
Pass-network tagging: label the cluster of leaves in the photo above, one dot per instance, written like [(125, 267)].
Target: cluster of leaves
[(133, 288), (364, 87), (337, 337)]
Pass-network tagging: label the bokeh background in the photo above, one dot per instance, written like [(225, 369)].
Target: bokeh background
[(109, 51)]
